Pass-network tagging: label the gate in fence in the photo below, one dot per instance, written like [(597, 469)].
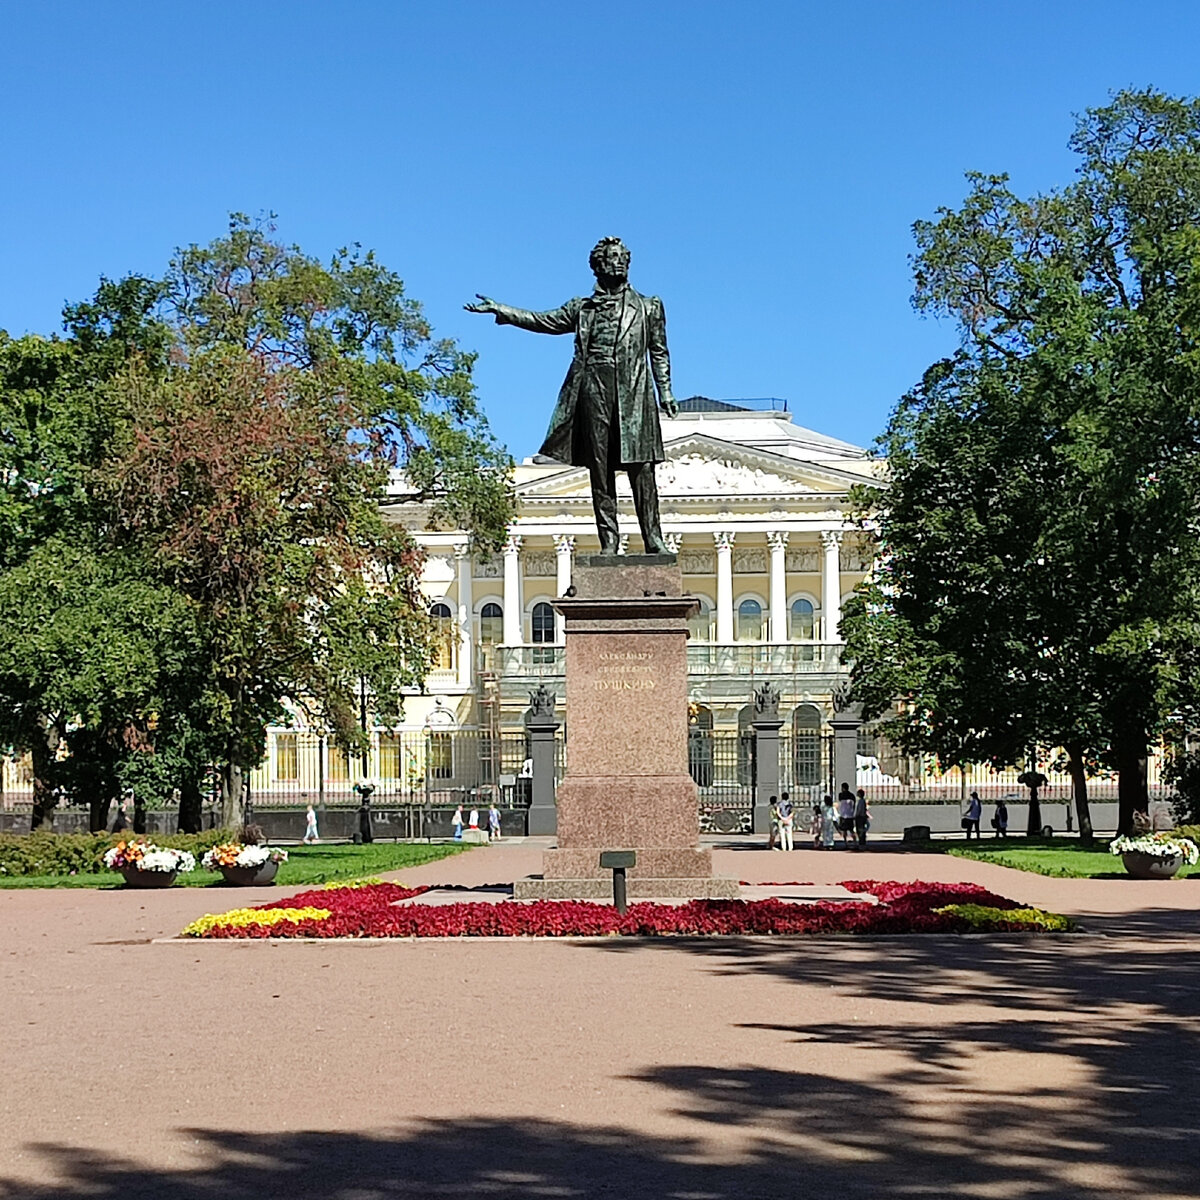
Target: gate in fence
[(724, 766)]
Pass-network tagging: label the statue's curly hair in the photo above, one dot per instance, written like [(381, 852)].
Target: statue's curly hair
[(603, 244)]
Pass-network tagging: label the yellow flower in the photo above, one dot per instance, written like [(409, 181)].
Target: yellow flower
[(239, 917)]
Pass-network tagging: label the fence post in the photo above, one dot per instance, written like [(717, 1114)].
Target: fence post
[(845, 723), (766, 724), (543, 726)]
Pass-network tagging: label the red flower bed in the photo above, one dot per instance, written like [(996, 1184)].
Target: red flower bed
[(372, 911)]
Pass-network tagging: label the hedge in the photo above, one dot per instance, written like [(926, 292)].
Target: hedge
[(83, 853)]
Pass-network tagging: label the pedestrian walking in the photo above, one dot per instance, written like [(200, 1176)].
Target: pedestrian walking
[(970, 821), (1000, 820), (785, 823), (121, 820), (862, 819), (457, 821), (829, 824), (473, 819), (310, 826), (773, 819), (493, 823)]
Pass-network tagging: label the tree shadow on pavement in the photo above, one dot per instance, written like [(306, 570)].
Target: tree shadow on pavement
[(1029, 1070), (775, 1133), (1050, 1066)]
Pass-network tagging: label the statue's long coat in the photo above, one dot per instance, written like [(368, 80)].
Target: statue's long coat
[(641, 352)]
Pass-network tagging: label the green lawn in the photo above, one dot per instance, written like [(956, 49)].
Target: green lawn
[(306, 864), (1057, 857)]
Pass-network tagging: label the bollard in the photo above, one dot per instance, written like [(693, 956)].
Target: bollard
[(618, 861)]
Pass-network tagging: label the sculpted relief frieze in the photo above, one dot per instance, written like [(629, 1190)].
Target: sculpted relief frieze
[(802, 561), (752, 561), (695, 475), (540, 564), (698, 562)]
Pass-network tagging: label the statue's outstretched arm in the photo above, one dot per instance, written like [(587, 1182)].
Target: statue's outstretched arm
[(555, 320)]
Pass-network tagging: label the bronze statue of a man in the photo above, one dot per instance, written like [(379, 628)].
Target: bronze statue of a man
[(606, 416)]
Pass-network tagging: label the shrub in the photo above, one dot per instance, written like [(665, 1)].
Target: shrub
[(83, 853), (983, 917)]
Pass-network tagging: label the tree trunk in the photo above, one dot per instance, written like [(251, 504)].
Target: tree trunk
[(44, 751), (139, 815), (1132, 795), (233, 812), (191, 805), (98, 809), (1033, 827), (1079, 789)]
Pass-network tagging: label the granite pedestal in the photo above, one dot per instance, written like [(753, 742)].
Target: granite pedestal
[(627, 785)]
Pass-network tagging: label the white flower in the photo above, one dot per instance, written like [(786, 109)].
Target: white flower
[(1157, 845)]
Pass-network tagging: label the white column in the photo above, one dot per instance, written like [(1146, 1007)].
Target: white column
[(778, 540), (466, 604), (514, 602), (724, 541), (564, 547), (831, 585)]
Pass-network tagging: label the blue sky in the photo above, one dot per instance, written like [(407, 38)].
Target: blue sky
[(764, 161)]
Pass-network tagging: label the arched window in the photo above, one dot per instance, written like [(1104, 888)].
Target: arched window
[(443, 620), (806, 746), (803, 622), (542, 622), (491, 624), (700, 625), (700, 744), (750, 621)]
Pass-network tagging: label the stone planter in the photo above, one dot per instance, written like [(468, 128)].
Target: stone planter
[(262, 876), (1151, 866), (148, 879)]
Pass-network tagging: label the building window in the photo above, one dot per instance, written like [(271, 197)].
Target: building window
[(750, 621), (338, 766), (443, 653), (391, 759), (700, 625), (806, 746), (542, 621), (491, 624), (803, 621), (441, 755), (868, 743), (287, 768)]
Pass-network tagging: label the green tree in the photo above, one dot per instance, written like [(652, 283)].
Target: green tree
[(251, 473), (63, 594), (1039, 534)]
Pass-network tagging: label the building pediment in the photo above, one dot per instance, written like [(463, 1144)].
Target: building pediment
[(698, 466)]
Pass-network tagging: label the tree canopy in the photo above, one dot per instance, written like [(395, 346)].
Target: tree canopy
[(1039, 534), (212, 448)]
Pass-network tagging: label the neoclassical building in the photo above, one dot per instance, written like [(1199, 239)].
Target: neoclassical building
[(756, 507)]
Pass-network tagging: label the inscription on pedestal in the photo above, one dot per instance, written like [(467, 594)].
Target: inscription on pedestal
[(625, 671)]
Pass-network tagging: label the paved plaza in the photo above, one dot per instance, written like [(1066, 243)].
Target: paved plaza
[(690, 1069)]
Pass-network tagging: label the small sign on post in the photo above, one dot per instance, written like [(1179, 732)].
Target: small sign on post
[(618, 861)]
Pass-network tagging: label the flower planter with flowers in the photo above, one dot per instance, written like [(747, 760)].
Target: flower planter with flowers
[(381, 910), (1155, 855), (146, 865), (245, 866)]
